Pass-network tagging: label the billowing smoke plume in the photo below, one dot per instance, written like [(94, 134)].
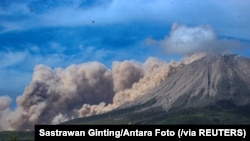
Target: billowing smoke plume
[(57, 95), (189, 40), (5, 102), (155, 71)]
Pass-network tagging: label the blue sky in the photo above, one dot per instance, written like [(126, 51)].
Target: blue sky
[(58, 33)]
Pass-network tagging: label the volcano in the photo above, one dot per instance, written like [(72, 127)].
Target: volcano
[(212, 90)]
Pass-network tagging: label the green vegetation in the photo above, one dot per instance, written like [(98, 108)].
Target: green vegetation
[(16, 136), (206, 115)]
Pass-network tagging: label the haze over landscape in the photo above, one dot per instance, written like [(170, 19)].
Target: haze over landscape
[(62, 60)]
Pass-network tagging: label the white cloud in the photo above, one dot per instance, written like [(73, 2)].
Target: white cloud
[(188, 40), (34, 48), (9, 59), (185, 40), (94, 53), (57, 47)]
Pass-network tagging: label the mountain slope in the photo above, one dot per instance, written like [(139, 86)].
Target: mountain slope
[(210, 79), (211, 90)]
